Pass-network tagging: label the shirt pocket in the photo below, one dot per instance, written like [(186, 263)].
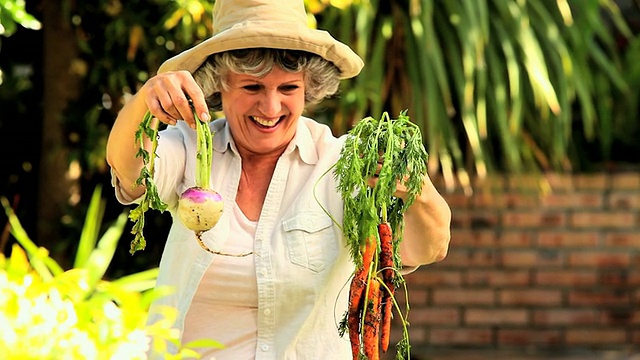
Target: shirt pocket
[(310, 239)]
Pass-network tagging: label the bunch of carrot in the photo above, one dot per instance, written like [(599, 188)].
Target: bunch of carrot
[(369, 316), (378, 155)]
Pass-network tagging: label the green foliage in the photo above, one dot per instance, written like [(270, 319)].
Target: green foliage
[(13, 14), (150, 199), (49, 313), (390, 150), (495, 85), (122, 44)]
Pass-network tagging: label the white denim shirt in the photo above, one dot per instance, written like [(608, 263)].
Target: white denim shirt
[(301, 259)]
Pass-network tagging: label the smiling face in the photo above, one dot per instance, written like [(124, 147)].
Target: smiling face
[(263, 113)]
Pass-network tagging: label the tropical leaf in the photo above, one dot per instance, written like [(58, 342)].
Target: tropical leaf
[(495, 85)]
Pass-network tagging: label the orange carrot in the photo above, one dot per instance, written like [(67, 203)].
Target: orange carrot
[(386, 251), (386, 265), (372, 319), (387, 315), (353, 317), (356, 298)]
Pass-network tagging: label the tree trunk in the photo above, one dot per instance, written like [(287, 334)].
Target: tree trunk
[(56, 185)]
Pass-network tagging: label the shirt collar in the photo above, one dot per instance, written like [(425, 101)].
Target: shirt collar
[(302, 140)]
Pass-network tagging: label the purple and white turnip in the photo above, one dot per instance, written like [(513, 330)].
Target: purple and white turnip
[(199, 207)]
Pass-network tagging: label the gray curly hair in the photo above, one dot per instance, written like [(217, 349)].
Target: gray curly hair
[(321, 77)]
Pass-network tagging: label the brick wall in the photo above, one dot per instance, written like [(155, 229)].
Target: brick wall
[(543, 263)]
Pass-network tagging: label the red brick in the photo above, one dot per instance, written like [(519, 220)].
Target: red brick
[(514, 200), (565, 278), (533, 297), (603, 219), (489, 200), (461, 336), (627, 239), (567, 317), (463, 297), (474, 219), (417, 334), (559, 182), (416, 296), (626, 181), (524, 258), (434, 276), (614, 278), (566, 238), (624, 200), (599, 298), (457, 199), (596, 336), (520, 337), (573, 200), (496, 316), (469, 258), (497, 278), (599, 259), (620, 317), (434, 316), (533, 219), (515, 239), (528, 182), (473, 238), (591, 181), (530, 258), (523, 201)]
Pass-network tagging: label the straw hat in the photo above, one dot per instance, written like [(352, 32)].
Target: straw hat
[(278, 24)]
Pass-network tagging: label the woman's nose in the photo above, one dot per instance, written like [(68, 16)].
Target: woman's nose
[(270, 103)]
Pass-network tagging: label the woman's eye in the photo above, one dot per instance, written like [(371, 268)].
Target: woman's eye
[(252, 88), (290, 88)]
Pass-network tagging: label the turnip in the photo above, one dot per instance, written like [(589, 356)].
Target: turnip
[(199, 207)]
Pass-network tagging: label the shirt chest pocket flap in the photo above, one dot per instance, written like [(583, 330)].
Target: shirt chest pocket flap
[(309, 239)]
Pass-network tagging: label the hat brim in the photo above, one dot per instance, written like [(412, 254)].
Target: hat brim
[(257, 34)]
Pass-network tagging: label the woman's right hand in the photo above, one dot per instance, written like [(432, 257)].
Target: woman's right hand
[(167, 98)]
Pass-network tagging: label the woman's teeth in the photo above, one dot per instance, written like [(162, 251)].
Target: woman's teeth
[(265, 122)]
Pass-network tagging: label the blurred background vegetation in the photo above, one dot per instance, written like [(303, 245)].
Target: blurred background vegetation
[(498, 86)]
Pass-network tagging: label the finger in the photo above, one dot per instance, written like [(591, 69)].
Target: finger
[(173, 96), (198, 101), (182, 107), (158, 111), (159, 99)]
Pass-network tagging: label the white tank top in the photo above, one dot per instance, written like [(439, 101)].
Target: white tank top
[(225, 305)]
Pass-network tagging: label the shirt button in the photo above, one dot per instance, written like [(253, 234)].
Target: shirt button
[(267, 312), (264, 272), (264, 347)]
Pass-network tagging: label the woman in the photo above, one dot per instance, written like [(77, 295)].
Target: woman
[(262, 66)]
